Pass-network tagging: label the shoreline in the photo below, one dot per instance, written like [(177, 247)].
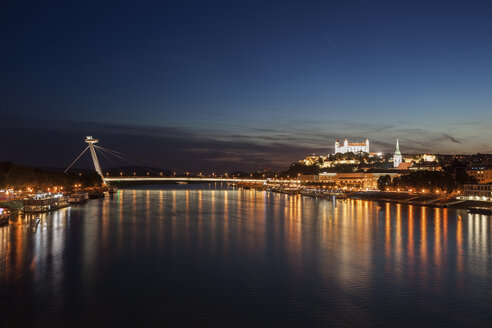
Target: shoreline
[(420, 200), (429, 200)]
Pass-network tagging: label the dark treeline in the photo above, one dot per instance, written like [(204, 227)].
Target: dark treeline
[(20, 176), (427, 180)]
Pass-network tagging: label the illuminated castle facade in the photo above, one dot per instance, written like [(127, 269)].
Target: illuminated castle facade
[(351, 147)]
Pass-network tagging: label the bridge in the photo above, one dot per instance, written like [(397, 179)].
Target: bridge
[(107, 179), (196, 179)]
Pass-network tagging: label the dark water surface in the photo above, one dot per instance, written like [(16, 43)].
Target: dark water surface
[(195, 256)]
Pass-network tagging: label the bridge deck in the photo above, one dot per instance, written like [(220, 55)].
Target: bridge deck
[(195, 179)]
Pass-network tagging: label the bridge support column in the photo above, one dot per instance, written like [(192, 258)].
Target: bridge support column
[(91, 141)]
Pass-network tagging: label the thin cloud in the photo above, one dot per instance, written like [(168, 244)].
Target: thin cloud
[(330, 41), (451, 138), (222, 147)]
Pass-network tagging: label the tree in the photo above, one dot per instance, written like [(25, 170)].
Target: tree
[(426, 180), (19, 176), (296, 168), (383, 182)]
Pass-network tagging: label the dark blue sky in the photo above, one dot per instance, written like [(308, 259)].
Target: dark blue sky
[(203, 84)]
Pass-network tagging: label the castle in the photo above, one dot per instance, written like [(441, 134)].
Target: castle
[(354, 147)]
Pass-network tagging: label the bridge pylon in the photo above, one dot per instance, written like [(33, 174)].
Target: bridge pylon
[(91, 141)]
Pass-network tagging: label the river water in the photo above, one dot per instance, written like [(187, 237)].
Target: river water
[(202, 255)]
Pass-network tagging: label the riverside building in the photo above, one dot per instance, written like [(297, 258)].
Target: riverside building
[(353, 180), (483, 174), (478, 192)]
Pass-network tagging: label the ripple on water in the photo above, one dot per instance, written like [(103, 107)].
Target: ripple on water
[(202, 256)]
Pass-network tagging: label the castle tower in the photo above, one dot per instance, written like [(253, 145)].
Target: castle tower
[(397, 158), (337, 146)]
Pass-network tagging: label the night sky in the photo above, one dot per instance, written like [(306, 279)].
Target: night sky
[(208, 85)]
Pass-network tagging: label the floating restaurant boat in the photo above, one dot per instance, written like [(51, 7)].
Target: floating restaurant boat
[(44, 202), (96, 193), (79, 197), (4, 215), (480, 210), (290, 190), (310, 192)]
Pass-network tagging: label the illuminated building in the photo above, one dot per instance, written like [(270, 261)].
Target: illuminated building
[(355, 180), (351, 147), (397, 158), (428, 157), (478, 191), (426, 167), (483, 174)]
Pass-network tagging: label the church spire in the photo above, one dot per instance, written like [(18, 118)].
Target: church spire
[(397, 158)]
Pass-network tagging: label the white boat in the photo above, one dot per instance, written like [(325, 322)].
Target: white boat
[(79, 197), (4, 215)]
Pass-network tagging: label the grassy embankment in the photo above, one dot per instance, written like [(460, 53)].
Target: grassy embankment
[(419, 199)]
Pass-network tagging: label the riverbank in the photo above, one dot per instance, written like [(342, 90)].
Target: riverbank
[(14, 206), (430, 200), (419, 199)]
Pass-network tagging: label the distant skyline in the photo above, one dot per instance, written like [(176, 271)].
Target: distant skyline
[(237, 85)]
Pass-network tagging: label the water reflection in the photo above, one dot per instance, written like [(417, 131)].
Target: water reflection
[(410, 239), (298, 259), (423, 235)]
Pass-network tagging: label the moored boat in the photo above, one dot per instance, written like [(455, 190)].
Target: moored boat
[(4, 215), (480, 210), (290, 190), (44, 202), (94, 194), (79, 197)]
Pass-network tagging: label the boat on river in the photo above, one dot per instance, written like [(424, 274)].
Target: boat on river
[(80, 197), (480, 210), (96, 193), (44, 202), (4, 215)]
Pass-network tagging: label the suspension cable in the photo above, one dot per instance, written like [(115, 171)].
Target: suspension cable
[(109, 159), (134, 158), (82, 153), (124, 159), (116, 155)]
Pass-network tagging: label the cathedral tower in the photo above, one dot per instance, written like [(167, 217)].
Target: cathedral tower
[(397, 158)]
